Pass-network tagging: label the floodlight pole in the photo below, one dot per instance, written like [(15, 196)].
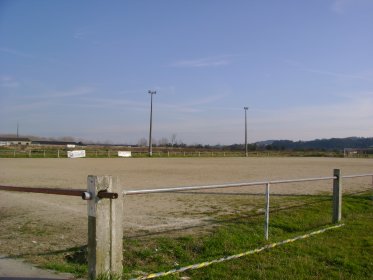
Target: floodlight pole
[(246, 152), (151, 116)]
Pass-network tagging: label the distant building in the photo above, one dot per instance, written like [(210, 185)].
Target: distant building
[(357, 152), (57, 143), (10, 141)]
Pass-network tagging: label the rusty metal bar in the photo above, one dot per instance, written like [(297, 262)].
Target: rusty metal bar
[(70, 192)]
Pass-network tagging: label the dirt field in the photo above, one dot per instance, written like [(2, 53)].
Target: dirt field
[(41, 223)]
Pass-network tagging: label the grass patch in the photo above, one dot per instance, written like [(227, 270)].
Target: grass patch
[(344, 253)]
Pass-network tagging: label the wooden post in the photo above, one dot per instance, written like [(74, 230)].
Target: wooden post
[(105, 231), (337, 196), (44, 153), (29, 153), (14, 153), (58, 153)]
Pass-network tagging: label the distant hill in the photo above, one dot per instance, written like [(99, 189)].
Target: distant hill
[(322, 144)]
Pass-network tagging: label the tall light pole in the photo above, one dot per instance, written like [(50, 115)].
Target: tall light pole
[(151, 116), (246, 153)]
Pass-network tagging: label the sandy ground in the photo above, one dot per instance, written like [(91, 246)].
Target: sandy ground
[(43, 223)]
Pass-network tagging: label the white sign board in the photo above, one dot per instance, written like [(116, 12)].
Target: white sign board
[(124, 154), (70, 146), (76, 154)]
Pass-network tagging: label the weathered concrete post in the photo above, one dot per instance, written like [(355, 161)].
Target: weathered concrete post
[(337, 196), (105, 230)]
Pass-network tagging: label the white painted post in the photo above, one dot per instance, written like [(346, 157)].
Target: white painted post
[(266, 224), (58, 153), (44, 153), (14, 153), (105, 230), (337, 196), (29, 153)]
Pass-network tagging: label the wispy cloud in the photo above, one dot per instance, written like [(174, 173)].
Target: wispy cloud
[(47, 99), (204, 62), (340, 75), (16, 52), (366, 76), (8, 82), (111, 103), (78, 91), (350, 116), (342, 6)]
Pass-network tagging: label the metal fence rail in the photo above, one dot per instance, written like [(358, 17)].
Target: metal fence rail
[(69, 192), (221, 186)]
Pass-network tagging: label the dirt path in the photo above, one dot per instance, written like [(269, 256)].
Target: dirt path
[(11, 269)]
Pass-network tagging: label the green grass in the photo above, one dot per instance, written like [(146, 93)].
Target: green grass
[(344, 253)]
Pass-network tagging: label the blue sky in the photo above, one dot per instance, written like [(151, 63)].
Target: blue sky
[(83, 69)]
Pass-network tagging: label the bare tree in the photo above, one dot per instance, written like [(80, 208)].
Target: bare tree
[(173, 139), (163, 142), (142, 142)]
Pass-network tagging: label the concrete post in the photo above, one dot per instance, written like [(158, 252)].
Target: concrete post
[(105, 230), (337, 196)]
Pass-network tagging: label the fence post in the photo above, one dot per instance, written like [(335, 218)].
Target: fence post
[(58, 153), (266, 223), (105, 231), (29, 153), (337, 196)]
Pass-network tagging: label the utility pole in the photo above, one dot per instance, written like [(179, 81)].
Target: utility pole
[(151, 116), (246, 152)]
